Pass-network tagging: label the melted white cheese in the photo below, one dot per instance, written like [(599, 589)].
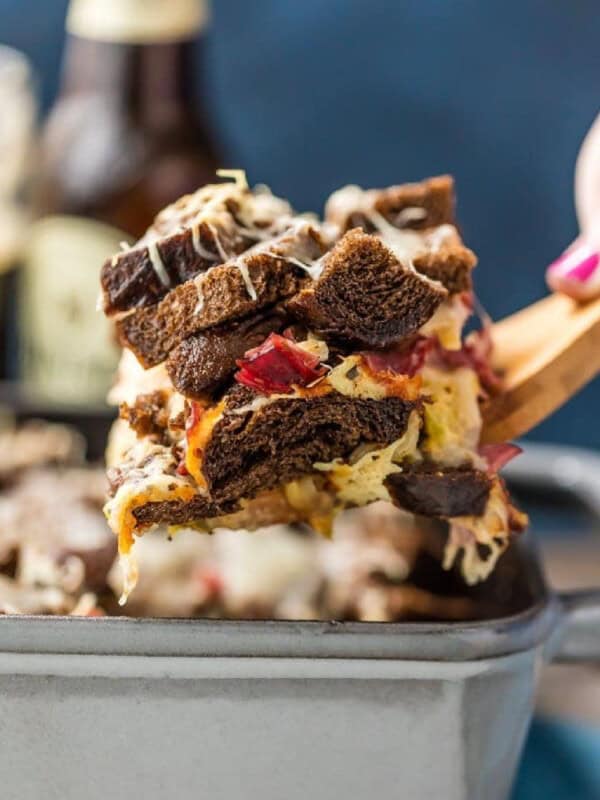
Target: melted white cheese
[(348, 378), (237, 175), (362, 481), (406, 244), (440, 236), (492, 529), (198, 282), (220, 249), (410, 214), (130, 574), (452, 416), (199, 247), (240, 263), (132, 380), (313, 268), (157, 264), (448, 322), (259, 402), (149, 477)]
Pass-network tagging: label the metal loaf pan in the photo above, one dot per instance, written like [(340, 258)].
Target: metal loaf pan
[(122, 708)]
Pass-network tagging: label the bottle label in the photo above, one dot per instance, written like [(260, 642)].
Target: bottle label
[(69, 351), (137, 21)]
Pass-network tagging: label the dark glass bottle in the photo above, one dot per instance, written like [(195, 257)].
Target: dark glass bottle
[(125, 137)]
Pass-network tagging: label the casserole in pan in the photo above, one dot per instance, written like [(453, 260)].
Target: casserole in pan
[(119, 708)]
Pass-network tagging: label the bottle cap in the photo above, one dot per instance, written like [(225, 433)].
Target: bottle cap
[(137, 21)]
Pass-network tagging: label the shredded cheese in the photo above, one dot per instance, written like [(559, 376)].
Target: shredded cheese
[(243, 268), (157, 264), (352, 379), (238, 176), (199, 247), (361, 482), (448, 322), (492, 530), (149, 479), (259, 402), (452, 416)]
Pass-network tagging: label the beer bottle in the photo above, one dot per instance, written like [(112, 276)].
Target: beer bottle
[(126, 136)]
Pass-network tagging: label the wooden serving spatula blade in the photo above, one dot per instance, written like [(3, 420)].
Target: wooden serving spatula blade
[(547, 351)]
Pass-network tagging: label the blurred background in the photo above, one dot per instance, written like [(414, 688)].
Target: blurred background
[(309, 96), (96, 135)]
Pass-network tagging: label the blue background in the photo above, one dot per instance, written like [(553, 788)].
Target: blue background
[(310, 95)]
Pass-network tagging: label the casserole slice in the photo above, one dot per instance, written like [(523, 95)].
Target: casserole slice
[(320, 368)]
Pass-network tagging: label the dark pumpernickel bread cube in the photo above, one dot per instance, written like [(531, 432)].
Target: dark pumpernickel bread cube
[(365, 296), (451, 265), (131, 280), (440, 492), (264, 509), (279, 442), (435, 196), (204, 362), (261, 277), (178, 512), (153, 332)]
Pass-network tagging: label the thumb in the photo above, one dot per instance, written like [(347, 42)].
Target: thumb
[(577, 271), (587, 186)]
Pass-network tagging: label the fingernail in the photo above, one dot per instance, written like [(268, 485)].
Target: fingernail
[(577, 263), (574, 271)]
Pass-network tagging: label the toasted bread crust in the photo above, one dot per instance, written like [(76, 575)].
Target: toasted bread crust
[(204, 362), (178, 512), (434, 195), (148, 416), (130, 280), (365, 296), (440, 492), (256, 450), (353, 207), (451, 266), (153, 332)]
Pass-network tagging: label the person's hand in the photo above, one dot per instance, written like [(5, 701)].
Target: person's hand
[(577, 271)]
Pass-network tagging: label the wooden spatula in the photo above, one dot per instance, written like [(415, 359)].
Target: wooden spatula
[(548, 351)]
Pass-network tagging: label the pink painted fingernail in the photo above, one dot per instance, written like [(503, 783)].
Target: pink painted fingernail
[(576, 272)]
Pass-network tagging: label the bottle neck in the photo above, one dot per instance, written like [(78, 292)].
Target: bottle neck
[(152, 83)]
